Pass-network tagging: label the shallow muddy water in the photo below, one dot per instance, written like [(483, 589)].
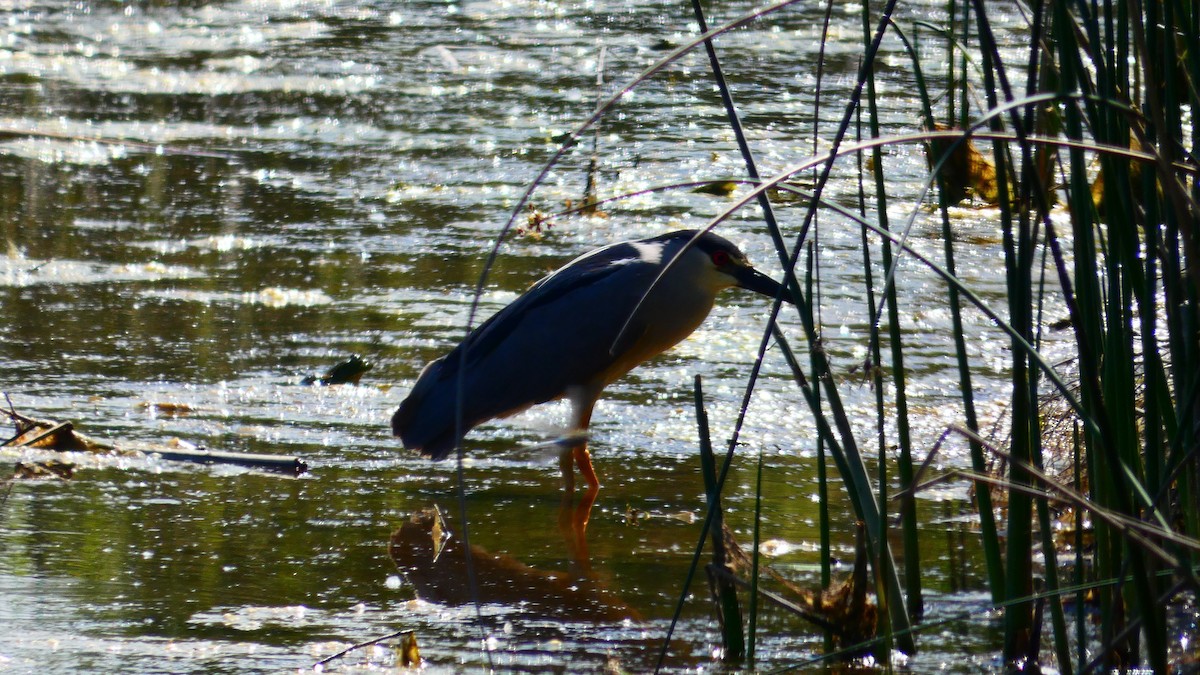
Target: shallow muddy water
[(302, 181)]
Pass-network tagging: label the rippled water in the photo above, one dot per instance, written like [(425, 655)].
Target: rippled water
[(305, 180)]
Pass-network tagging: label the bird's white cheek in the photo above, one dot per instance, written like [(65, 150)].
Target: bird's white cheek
[(716, 281)]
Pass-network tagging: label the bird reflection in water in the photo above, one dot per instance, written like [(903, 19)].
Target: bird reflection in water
[(433, 562)]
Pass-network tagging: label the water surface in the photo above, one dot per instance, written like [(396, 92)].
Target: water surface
[(302, 181)]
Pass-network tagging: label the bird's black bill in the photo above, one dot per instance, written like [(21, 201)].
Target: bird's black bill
[(753, 280)]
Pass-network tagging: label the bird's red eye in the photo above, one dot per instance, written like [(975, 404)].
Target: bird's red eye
[(720, 258)]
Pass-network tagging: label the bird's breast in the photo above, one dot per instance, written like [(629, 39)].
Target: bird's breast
[(664, 320)]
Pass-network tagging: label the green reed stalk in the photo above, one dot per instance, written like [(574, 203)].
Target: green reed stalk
[(1020, 234), (822, 477), (1046, 528), (952, 83), (874, 358), (1087, 297), (893, 615), (1080, 594), (824, 524), (994, 563), (752, 626), (1035, 167), (963, 92), (1016, 241), (1178, 89), (1185, 336), (908, 515), (1188, 368), (723, 591)]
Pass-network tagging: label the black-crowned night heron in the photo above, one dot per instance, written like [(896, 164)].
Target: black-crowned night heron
[(571, 335)]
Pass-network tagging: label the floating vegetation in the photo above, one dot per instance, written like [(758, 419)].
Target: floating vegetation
[(349, 371)]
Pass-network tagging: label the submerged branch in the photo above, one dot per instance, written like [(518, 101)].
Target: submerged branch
[(62, 437)]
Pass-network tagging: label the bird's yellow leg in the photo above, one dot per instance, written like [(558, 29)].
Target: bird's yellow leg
[(566, 464), (574, 455), (583, 459), (574, 522)]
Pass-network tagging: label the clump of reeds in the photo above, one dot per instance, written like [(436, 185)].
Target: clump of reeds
[(1100, 90)]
